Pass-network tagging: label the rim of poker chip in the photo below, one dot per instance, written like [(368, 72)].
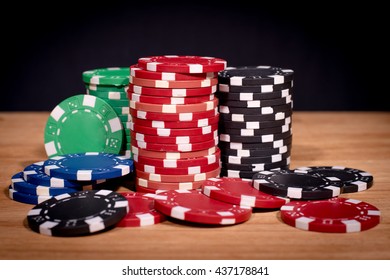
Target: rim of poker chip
[(117, 104), (170, 100), (179, 163), (224, 137), (355, 180), (20, 185), (173, 116), (256, 153), (290, 184), (240, 192), (192, 147), (118, 76), (256, 118), (78, 213), (175, 109), (255, 75), (106, 88), (252, 96), (193, 206), (173, 84), (34, 174), (176, 124), (25, 197), (255, 146), (255, 166), (173, 132), (246, 174), (165, 186), (141, 211), (139, 72), (172, 155), (111, 95), (335, 215), (171, 92), (173, 139), (255, 132), (148, 190), (182, 64), (88, 166), (177, 171), (269, 110), (177, 179), (254, 124), (255, 160), (255, 89), (83, 123), (254, 103)]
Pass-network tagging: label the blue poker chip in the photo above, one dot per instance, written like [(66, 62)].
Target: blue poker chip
[(20, 185), (26, 198), (34, 174), (88, 166)]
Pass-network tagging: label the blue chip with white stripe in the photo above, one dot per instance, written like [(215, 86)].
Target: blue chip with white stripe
[(26, 198), (88, 166)]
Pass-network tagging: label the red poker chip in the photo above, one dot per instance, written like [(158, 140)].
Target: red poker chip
[(173, 131), (193, 206), (172, 139), (240, 192), (175, 147), (139, 72), (177, 171), (177, 124), (172, 155), (173, 116), (144, 190), (335, 215), (171, 92), (154, 186), (173, 84), (182, 64), (175, 109), (141, 211), (169, 100), (177, 179)]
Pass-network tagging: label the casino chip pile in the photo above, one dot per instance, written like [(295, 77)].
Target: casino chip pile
[(110, 84), (69, 174), (174, 128), (255, 105)]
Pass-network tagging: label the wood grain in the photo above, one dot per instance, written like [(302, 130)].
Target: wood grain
[(354, 139)]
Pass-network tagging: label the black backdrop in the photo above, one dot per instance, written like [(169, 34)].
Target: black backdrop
[(333, 50)]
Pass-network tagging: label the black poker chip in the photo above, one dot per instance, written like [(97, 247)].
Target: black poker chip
[(287, 183), (255, 132), (255, 160), (243, 117), (225, 137), (255, 166), (255, 89), (232, 173), (267, 110), (247, 96), (354, 180), (78, 213), (253, 125), (255, 146), (256, 153)]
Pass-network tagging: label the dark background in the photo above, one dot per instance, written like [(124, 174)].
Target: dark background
[(334, 51)]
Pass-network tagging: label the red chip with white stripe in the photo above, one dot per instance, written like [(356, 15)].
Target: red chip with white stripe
[(141, 211), (336, 215), (193, 206), (138, 72), (176, 124), (239, 191)]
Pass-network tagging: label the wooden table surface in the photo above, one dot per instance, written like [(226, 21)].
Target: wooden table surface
[(354, 139)]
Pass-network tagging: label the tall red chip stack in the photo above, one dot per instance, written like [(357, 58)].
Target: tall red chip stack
[(174, 128)]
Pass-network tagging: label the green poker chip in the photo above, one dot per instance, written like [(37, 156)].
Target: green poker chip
[(117, 76), (83, 123), (111, 95)]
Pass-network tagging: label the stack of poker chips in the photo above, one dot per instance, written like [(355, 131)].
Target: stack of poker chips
[(68, 174), (110, 84), (255, 119), (174, 128)]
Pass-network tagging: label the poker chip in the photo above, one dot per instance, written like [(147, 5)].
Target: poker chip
[(193, 206), (173, 84), (255, 76), (224, 137), (174, 139), (175, 178), (255, 103), (26, 198), (255, 160), (177, 171), (254, 125), (170, 100), (257, 166), (141, 211), (118, 94), (240, 192), (139, 72), (182, 64), (335, 215), (179, 163), (20, 185), (269, 110), (242, 117), (255, 146), (107, 76), (256, 132), (83, 123), (354, 180), (175, 109), (34, 174), (140, 189), (290, 184), (256, 153), (79, 213), (177, 124), (154, 185), (250, 96), (172, 131), (255, 89), (172, 155), (88, 166), (190, 147), (171, 92), (195, 116)]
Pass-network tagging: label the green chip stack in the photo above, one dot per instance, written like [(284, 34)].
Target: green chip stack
[(111, 84)]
